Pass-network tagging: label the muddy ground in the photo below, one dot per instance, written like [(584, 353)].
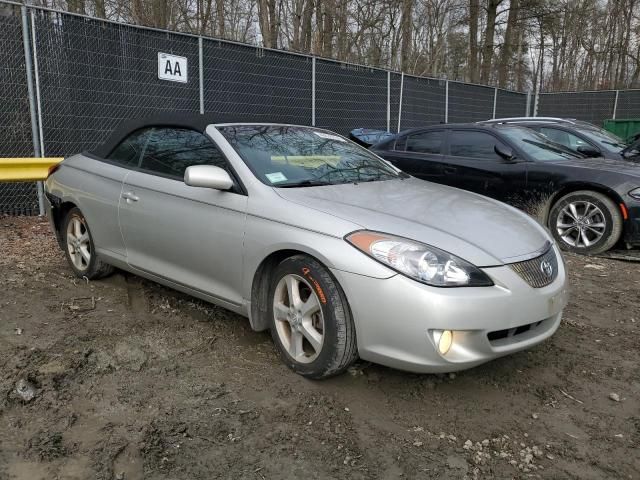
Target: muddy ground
[(132, 380)]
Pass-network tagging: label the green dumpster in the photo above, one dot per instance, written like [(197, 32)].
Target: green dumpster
[(624, 128)]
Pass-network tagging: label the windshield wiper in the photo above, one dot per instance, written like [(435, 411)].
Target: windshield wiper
[(304, 183), (555, 148)]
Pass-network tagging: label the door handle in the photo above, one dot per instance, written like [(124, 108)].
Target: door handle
[(450, 170), (130, 197)]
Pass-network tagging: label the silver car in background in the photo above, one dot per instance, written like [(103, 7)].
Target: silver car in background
[(334, 250)]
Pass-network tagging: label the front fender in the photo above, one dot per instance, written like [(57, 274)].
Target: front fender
[(265, 238)]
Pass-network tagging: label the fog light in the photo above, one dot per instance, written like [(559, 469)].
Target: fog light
[(445, 342)]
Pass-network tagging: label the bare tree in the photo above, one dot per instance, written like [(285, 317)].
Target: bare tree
[(557, 44)]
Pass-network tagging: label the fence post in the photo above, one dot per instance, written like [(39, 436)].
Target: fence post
[(528, 108), (201, 74), (446, 101), (535, 102), (313, 91), (34, 45), (388, 100), (615, 104), (37, 81), (400, 104), (32, 100), (495, 101)]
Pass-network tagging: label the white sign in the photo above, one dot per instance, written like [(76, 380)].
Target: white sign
[(172, 68)]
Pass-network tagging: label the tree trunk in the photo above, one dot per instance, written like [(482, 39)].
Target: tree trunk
[(489, 34), (219, 15), (342, 28), (474, 13), (77, 6), (307, 30), (407, 30), (328, 27), (506, 55), (269, 22), (101, 11)]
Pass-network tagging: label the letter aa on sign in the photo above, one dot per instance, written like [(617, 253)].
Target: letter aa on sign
[(172, 68)]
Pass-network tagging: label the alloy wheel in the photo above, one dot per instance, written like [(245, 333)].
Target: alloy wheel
[(298, 317), (78, 243), (581, 224)]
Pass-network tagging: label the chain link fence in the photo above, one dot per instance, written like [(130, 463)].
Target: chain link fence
[(91, 74), (628, 105), (423, 102), (253, 84), (15, 121), (350, 96), (510, 104), (470, 103), (594, 107)]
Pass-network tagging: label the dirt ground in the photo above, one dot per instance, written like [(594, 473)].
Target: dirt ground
[(131, 380)]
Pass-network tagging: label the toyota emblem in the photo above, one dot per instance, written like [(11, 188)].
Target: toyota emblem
[(546, 268)]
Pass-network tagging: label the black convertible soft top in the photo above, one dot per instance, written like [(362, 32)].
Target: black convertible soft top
[(194, 121)]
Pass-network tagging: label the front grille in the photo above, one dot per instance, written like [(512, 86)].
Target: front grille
[(538, 272)]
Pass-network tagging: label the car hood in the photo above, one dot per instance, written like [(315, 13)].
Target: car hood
[(475, 228), (627, 167)]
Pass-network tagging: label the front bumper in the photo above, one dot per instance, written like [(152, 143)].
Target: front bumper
[(395, 318), (632, 224)]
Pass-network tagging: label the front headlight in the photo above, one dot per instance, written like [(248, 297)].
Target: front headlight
[(635, 193), (418, 261)]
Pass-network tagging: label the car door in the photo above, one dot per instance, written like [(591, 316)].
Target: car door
[(419, 154), (105, 184), (187, 235), (473, 164)]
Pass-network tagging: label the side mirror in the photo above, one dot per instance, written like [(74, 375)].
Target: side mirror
[(505, 152), (207, 176), (589, 151)]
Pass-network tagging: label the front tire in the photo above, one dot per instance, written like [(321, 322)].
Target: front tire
[(79, 248), (585, 222), (310, 319)]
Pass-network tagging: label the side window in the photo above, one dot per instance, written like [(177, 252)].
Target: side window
[(128, 152), (425, 142), (563, 138), (171, 150), (481, 145)]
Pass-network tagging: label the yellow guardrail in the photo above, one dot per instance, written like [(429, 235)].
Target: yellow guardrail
[(26, 169)]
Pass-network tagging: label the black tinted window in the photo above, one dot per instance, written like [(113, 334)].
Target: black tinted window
[(425, 142), (474, 145), (128, 152), (171, 150)]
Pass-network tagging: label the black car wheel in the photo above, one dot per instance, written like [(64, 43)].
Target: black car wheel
[(311, 321), (585, 222)]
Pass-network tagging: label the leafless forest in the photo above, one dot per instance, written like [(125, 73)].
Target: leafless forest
[(519, 44)]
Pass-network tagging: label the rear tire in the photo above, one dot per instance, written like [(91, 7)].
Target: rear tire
[(310, 319), (585, 222), (79, 248)]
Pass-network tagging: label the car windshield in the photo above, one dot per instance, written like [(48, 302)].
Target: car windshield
[(290, 156), (607, 139), (537, 146)]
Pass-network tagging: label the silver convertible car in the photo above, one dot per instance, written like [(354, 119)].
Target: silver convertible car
[(311, 236)]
